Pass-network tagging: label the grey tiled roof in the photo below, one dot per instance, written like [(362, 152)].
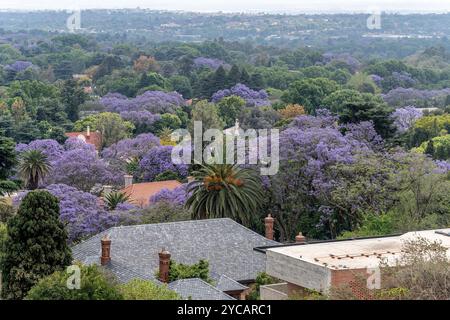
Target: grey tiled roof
[(197, 289), (227, 284), (225, 244)]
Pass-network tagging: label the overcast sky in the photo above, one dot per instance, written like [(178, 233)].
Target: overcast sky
[(240, 5)]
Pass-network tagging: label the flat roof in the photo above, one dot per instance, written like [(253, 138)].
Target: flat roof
[(359, 253)]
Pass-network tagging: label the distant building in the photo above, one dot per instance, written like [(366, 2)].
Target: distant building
[(94, 138), (323, 265)]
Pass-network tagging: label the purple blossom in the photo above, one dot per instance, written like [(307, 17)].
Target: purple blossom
[(443, 166), (177, 196), (210, 63), (131, 148), (80, 211), (51, 148), (77, 144), (252, 98), (352, 62), (140, 118), (410, 96), (18, 66), (405, 117), (377, 79), (152, 101), (159, 160)]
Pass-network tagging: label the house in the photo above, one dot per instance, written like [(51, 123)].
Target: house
[(141, 251), (321, 265), (94, 138), (140, 193)]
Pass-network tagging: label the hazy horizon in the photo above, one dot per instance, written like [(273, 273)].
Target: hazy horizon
[(280, 6)]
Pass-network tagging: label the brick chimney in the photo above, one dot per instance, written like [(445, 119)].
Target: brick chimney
[(128, 180), (268, 221), (106, 250), (164, 262), (300, 238)]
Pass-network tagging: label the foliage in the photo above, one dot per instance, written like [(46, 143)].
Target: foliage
[(36, 244), (292, 111), (179, 271), (252, 98), (220, 191), (33, 168), (146, 290), (158, 160), (261, 279), (113, 199), (95, 285)]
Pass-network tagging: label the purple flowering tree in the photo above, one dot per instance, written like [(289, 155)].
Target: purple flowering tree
[(142, 120), (252, 98), (405, 117), (51, 148), (152, 101), (401, 97), (177, 196), (158, 160), (210, 63), (81, 212), (18, 66)]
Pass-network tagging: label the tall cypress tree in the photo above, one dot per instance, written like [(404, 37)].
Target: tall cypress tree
[(36, 245), (234, 76)]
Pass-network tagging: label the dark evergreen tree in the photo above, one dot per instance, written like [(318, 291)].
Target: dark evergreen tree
[(257, 81), (72, 96), (234, 76), (36, 245), (219, 80), (429, 150), (245, 77)]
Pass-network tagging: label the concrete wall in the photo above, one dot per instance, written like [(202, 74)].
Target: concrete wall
[(298, 272), (277, 291)]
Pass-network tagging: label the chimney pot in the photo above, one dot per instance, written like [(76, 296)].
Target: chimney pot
[(106, 251), (300, 238), (268, 221), (128, 180), (88, 131), (164, 264)]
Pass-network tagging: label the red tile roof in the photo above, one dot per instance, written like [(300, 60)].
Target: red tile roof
[(94, 138), (140, 193)]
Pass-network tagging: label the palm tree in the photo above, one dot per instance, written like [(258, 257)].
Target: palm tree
[(224, 190), (33, 168), (113, 199)]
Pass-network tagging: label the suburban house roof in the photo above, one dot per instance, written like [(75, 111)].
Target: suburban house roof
[(224, 243), (94, 138), (197, 289), (140, 193)]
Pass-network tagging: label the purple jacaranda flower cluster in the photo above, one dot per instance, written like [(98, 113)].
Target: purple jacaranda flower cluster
[(76, 164), (159, 160), (377, 79), (51, 148), (252, 98), (210, 63), (443, 166), (365, 133), (404, 79), (18, 66), (177, 196), (405, 117), (352, 62), (81, 212), (410, 96), (140, 118), (131, 148), (152, 101)]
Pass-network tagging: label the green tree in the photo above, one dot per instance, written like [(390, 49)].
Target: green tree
[(36, 244), (230, 108), (33, 168), (219, 79), (182, 85), (208, 113), (430, 148), (234, 76), (138, 289), (179, 271), (225, 191), (72, 96), (113, 199), (310, 93), (111, 126), (95, 284), (7, 162)]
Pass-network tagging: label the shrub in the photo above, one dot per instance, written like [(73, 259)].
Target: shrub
[(183, 271), (36, 245), (261, 279), (138, 289), (95, 285)]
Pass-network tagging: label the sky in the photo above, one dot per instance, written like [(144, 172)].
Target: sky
[(289, 6)]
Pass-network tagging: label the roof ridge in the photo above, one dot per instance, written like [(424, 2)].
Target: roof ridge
[(207, 283)]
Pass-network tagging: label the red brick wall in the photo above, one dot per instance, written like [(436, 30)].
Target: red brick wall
[(355, 280)]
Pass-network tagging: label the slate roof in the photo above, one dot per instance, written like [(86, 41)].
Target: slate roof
[(227, 284), (197, 289), (225, 244)]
